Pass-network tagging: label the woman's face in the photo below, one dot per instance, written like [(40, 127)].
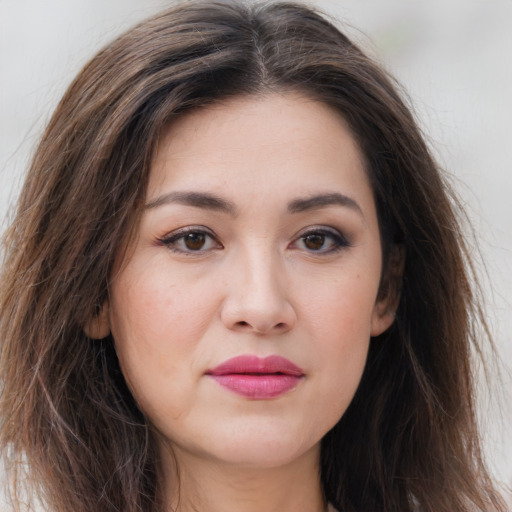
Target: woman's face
[(243, 313)]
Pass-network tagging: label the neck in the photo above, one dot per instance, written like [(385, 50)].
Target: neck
[(201, 485)]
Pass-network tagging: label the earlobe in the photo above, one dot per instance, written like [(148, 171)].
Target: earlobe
[(98, 326), (388, 298), (381, 321)]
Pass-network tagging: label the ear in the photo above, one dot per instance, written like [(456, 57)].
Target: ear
[(388, 297), (98, 326)]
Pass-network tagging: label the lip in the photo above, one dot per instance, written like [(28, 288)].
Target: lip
[(257, 378)]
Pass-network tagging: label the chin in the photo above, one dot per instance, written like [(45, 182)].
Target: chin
[(259, 445), (251, 455)]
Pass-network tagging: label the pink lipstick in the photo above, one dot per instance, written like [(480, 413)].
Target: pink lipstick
[(257, 378)]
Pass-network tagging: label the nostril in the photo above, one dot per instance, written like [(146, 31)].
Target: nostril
[(242, 324)]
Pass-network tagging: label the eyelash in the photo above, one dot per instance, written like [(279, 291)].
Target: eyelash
[(338, 240), (171, 241)]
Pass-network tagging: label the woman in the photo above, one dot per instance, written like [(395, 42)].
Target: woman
[(236, 281)]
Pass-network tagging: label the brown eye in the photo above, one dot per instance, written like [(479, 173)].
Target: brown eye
[(194, 241), (314, 242), (321, 241), (190, 241)]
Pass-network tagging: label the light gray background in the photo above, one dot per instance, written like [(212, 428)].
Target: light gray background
[(453, 56)]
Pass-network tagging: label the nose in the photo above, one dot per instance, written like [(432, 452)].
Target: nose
[(258, 296)]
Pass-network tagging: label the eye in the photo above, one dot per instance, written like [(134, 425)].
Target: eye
[(321, 240), (190, 240)]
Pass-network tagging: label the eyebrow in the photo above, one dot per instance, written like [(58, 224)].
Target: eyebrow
[(322, 201), (197, 199), (212, 202)]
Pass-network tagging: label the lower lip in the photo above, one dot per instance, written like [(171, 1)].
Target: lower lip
[(258, 387)]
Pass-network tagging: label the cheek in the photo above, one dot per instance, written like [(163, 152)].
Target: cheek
[(157, 312), (157, 328), (340, 325), (342, 308)]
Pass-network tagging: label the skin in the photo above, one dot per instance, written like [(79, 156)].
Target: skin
[(256, 277)]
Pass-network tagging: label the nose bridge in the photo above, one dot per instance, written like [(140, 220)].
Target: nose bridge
[(258, 295), (262, 274)]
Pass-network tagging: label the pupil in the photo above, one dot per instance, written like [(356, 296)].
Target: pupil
[(314, 242), (194, 241)]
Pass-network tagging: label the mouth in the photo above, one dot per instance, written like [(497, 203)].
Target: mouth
[(257, 378)]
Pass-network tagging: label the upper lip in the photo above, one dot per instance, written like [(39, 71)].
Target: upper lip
[(249, 364)]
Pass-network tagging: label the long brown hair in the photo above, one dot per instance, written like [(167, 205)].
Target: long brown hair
[(70, 428)]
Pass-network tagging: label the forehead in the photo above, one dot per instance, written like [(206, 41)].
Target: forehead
[(272, 141)]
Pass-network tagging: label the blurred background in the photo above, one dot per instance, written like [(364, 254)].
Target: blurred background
[(454, 57)]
